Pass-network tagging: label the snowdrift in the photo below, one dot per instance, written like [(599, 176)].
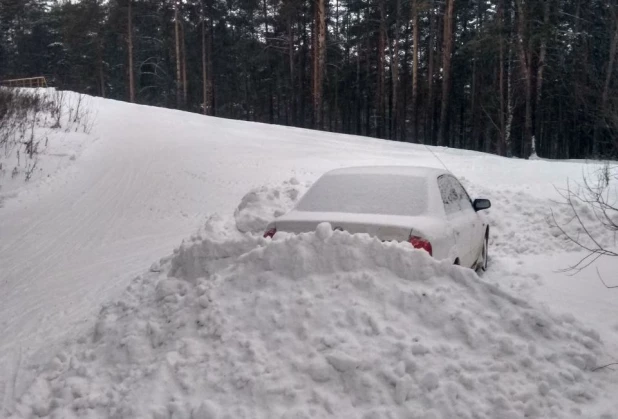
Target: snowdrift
[(323, 324), (522, 224)]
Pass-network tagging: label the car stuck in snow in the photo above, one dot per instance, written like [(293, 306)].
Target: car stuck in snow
[(427, 207)]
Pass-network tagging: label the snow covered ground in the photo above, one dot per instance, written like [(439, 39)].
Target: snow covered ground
[(232, 325)]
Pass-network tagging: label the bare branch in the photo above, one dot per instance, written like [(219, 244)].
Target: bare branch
[(593, 195), (604, 366), (603, 282)]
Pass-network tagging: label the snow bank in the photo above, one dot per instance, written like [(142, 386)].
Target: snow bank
[(522, 224), (322, 324), (221, 238), (261, 205), (212, 247)]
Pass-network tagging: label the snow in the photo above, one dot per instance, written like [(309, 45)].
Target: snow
[(321, 324), (383, 194), (261, 205), (234, 325)]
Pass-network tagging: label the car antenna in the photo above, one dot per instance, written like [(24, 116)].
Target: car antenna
[(436, 156)]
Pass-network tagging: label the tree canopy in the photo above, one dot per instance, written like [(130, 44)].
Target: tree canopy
[(512, 77)]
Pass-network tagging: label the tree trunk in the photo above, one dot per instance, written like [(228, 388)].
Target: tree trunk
[(429, 107), (474, 100), (359, 103), (100, 67), (415, 44), (210, 66), (477, 87), (335, 111), (600, 120), (509, 93), (184, 66), (473, 106), (271, 111), (346, 117), (291, 67), (178, 61), (525, 64), (206, 100), (539, 77), (380, 108), (395, 133), (318, 61), (502, 146), (446, 71), (130, 42), (302, 64), (368, 127)]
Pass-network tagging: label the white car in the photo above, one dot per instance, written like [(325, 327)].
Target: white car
[(429, 208)]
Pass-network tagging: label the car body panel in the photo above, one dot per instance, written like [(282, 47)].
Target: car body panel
[(385, 228)]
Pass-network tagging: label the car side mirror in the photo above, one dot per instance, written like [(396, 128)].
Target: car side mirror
[(481, 204)]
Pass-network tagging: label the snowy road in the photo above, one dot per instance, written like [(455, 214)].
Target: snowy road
[(149, 178)]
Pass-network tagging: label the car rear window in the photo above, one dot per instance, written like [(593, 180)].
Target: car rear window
[(387, 194)]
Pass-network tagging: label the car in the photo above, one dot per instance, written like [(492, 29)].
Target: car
[(426, 207)]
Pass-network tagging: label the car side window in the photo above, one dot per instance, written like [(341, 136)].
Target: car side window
[(464, 199), (448, 194), (454, 196)]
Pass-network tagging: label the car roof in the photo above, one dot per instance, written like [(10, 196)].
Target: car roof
[(416, 171)]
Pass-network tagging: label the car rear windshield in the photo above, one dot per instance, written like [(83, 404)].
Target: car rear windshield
[(388, 194)]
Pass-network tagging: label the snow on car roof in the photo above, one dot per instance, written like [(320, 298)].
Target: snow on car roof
[(417, 171)]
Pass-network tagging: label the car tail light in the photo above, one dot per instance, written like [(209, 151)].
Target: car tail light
[(421, 243), (270, 233)]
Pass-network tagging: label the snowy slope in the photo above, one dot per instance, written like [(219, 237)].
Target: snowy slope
[(146, 178)]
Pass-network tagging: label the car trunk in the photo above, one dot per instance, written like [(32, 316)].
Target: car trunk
[(384, 227)]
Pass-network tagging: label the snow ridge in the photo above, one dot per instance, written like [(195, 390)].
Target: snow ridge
[(322, 324)]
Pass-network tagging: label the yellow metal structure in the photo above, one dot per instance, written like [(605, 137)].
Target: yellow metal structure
[(27, 82)]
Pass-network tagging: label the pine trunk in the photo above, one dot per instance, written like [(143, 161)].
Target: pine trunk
[(429, 108), (600, 123), (509, 98), (100, 67), (524, 61), (380, 108), (205, 99), (291, 67), (318, 61), (302, 76), (178, 61), (184, 66), (539, 75), (415, 44), (334, 114), (502, 147), (210, 65), (271, 110), (395, 133), (477, 87), (130, 42), (446, 71), (359, 103)]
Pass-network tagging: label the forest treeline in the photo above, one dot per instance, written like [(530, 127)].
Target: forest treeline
[(511, 77)]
